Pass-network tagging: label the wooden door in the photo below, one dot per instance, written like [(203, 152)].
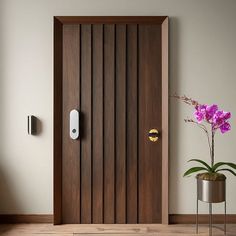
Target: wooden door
[(112, 70)]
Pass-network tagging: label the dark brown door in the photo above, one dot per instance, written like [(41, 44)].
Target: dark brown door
[(112, 74)]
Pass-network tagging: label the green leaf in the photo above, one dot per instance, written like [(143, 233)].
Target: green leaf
[(217, 165), (231, 171), (202, 162), (194, 169)]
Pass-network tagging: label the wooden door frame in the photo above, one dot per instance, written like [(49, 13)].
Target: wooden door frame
[(59, 21)]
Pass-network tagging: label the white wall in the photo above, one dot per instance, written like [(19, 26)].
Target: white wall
[(202, 65)]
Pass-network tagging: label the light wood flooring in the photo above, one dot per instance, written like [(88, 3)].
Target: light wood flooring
[(111, 230)]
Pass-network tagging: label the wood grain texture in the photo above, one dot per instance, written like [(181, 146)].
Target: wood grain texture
[(25, 218), (71, 148), (109, 123), (149, 118), (118, 230), (97, 124), (116, 175), (120, 124), (86, 124), (202, 218), (132, 124), (174, 219), (111, 19)]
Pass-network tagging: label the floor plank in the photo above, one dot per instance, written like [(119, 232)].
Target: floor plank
[(111, 230)]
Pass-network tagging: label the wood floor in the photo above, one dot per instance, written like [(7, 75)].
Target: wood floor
[(111, 230)]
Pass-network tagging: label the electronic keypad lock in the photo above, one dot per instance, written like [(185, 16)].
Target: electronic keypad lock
[(74, 124)]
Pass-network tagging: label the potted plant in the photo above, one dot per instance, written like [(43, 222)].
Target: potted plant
[(210, 180)]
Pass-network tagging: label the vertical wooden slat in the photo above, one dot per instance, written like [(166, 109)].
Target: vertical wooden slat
[(86, 131), (150, 171), (71, 148), (132, 124), (120, 124), (97, 124), (109, 124)]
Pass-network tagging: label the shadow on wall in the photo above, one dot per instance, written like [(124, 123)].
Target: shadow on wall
[(39, 126), (174, 87), (8, 202), (6, 195)]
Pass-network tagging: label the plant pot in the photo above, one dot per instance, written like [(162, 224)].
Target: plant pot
[(211, 191)]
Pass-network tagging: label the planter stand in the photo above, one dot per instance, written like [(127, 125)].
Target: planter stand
[(211, 192)]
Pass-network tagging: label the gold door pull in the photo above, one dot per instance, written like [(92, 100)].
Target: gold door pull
[(153, 135)]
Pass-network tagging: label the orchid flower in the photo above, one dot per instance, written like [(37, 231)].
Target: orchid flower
[(218, 120)]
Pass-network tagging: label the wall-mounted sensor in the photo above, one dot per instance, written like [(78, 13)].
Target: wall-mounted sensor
[(32, 125)]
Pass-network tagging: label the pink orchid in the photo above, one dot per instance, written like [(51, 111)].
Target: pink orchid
[(210, 111), (216, 119), (210, 114)]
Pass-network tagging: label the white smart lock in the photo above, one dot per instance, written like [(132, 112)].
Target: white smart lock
[(74, 124)]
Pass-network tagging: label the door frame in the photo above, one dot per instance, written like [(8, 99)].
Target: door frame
[(59, 21)]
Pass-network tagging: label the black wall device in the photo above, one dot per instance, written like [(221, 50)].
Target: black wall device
[(32, 125)]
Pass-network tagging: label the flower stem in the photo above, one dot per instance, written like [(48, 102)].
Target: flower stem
[(203, 127), (212, 148)]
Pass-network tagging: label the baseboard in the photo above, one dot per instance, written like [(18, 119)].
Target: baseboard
[(202, 218), (173, 218), (17, 219)]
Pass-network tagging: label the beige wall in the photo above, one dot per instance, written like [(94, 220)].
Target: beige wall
[(202, 65)]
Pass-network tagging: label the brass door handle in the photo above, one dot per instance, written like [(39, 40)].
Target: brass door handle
[(153, 135)]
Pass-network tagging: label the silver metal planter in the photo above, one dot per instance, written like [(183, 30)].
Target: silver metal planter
[(211, 191)]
